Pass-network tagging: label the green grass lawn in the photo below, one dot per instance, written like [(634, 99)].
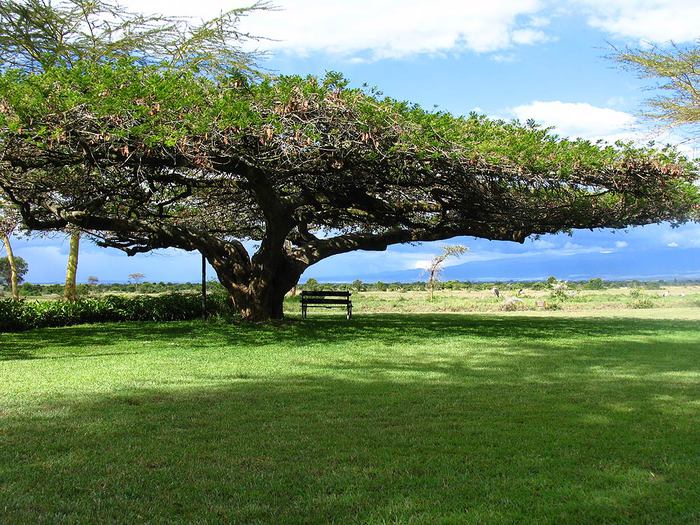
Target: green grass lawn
[(385, 419)]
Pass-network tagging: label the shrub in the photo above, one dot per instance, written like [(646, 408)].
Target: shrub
[(24, 315), (12, 315), (643, 302), (513, 304), (559, 290), (640, 300), (595, 284)]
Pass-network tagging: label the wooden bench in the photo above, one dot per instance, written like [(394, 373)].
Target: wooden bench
[(325, 299)]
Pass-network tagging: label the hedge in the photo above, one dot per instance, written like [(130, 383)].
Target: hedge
[(24, 315)]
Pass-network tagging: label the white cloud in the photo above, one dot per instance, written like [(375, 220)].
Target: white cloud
[(383, 29), (540, 248), (655, 21), (529, 36), (422, 264), (378, 29), (686, 237), (503, 57), (542, 244), (579, 119)]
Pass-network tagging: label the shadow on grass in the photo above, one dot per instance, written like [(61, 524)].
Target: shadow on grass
[(601, 434), (322, 451), (392, 330)]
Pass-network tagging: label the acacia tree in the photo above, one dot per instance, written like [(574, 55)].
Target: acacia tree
[(37, 35), (145, 155), (9, 220), (136, 278), (436, 264), (677, 72)]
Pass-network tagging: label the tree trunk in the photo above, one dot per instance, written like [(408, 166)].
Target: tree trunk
[(262, 303), (13, 267), (258, 292), (70, 292), (431, 284)]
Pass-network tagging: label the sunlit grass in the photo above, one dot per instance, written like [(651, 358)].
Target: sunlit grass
[(388, 418)]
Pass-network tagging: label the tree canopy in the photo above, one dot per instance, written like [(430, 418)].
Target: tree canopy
[(9, 220), (21, 269), (152, 155), (677, 72), (9, 216), (38, 34)]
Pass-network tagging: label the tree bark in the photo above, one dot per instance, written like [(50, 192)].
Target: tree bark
[(70, 292), (257, 291), (13, 268), (263, 302)]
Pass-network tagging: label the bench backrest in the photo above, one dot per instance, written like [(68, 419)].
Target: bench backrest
[(325, 294)]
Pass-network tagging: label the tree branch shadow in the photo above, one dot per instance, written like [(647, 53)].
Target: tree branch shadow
[(391, 330)]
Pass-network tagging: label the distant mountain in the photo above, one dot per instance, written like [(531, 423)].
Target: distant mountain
[(661, 263), (645, 264)]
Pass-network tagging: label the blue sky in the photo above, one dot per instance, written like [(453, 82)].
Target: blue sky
[(505, 58)]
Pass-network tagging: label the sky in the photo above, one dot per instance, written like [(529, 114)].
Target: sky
[(540, 59)]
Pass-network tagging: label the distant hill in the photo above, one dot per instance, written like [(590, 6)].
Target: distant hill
[(652, 264)]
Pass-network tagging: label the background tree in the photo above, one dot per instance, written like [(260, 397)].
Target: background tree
[(136, 278), (437, 264), (198, 155), (6, 270), (93, 280), (70, 290), (677, 72), (311, 285), (358, 285), (595, 284), (9, 220), (36, 35)]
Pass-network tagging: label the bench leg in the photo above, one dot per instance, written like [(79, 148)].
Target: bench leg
[(303, 312), (349, 316)]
